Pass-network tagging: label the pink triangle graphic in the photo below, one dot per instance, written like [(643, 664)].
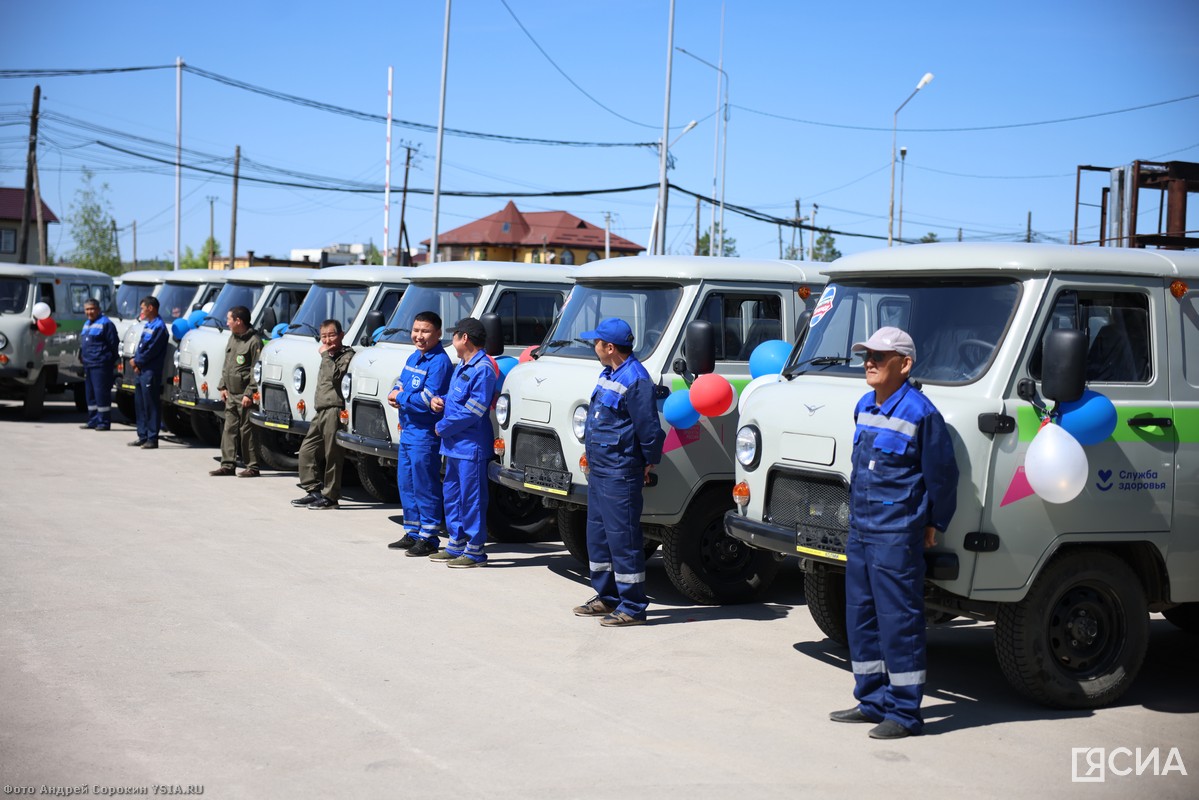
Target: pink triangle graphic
[(676, 438), (1018, 489)]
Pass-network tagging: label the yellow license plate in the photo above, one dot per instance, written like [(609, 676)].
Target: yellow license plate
[(812, 551)]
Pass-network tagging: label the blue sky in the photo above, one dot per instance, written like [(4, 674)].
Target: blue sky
[(812, 90)]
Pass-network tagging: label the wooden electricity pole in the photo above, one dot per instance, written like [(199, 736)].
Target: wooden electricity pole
[(233, 229), (30, 166)]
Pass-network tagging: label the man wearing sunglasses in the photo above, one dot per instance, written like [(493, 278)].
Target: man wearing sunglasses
[(903, 490)]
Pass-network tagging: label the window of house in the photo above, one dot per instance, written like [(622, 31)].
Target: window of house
[(8, 241), (1117, 329), (741, 322), (568, 257), (592, 255)]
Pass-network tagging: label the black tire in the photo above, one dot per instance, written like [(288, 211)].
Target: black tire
[(177, 421), (824, 592), (514, 516), (34, 404), (572, 527), (80, 392), (207, 427), (1185, 616), (706, 564), (1078, 638), (279, 450), (128, 408), (378, 480)]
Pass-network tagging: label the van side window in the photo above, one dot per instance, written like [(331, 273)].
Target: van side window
[(741, 322), (102, 294), (79, 295), (45, 294), (1117, 329), (1189, 306), (389, 302), (527, 315), (286, 302)]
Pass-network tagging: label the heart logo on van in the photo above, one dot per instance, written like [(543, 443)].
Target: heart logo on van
[(1105, 476)]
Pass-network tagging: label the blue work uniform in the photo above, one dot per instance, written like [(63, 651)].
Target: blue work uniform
[(622, 436), (149, 357), (467, 444), (418, 473), (100, 347), (904, 479)]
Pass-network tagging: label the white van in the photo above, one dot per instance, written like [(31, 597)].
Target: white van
[(273, 295), (526, 298), (134, 286), (32, 364), (999, 331), (674, 304), (361, 299)]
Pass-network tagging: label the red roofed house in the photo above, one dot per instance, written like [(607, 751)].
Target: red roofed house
[(11, 203), (538, 237)]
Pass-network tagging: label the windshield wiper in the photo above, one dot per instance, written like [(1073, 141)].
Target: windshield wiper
[(556, 343), (818, 361), (307, 325), (390, 331)]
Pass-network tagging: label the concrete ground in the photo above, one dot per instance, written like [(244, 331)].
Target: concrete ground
[(160, 628)]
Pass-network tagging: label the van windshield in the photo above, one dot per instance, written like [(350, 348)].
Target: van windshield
[(174, 300), (14, 295), (327, 302), (232, 294), (956, 325), (451, 302), (129, 299), (647, 308)]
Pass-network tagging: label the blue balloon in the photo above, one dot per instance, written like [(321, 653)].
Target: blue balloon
[(505, 363), (278, 330), (678, 411), (769, 358), (1090, 419), (179, 328), (377, 332), (196, 317)]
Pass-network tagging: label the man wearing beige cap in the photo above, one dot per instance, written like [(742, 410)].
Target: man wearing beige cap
[(903, 490)]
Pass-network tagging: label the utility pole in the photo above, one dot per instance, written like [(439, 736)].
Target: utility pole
[(403, 237), (211, 236), (780, 226), (30, 166), (607, 234), (815, 208), (41, 224), (135, 244), (696, 251), (1028, 230), (116, 244), (233, 229)]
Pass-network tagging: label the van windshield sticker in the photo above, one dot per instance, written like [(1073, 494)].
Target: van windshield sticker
[(824, 305)]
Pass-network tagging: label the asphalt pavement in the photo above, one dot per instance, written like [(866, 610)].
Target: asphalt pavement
[(165, 631)]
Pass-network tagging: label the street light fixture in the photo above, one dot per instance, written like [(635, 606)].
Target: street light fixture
[(723, 135), (903, 162), (928, 76), (657, 232)]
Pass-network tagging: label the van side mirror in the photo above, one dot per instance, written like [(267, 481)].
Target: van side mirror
[(374, 320), (493, 326), (269, 320), (700, 347), (1064, 365)]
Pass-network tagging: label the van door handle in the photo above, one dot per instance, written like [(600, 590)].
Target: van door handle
[(1150, 422)]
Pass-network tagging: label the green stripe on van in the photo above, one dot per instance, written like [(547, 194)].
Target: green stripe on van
[(1185, 429), (677, 384)]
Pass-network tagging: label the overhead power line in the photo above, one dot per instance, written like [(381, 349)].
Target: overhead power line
[(71, 73)]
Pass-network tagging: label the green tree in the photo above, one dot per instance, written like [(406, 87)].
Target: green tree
[(705, 244), (928, 238), (826, 247), (793, 253), (90, 219), (201, 260), (373, 256)]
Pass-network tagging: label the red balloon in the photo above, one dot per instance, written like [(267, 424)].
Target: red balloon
[(47, 326), (527, 354), (712, 394)]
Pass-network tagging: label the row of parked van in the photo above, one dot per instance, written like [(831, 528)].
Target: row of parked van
[(1069, 585)]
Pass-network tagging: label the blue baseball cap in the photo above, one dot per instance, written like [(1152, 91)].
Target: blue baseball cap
[(613, 330)]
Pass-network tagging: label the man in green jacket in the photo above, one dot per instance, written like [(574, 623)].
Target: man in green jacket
[(321, 457), (237, 390)]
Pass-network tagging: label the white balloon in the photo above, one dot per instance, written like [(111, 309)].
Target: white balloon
[(752, 386), (207, 309), (1056, 465), (41, 310)]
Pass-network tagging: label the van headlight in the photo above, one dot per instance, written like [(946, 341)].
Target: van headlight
[(502, 407), (257, 373), (346, 383), (175, 360), (749, 446), (203, 363), (578, 422), (297, 379), (3, 341)]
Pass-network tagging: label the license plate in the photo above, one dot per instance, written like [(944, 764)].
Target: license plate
[(823, 544), (283, 426), (128, 386), (547, 480)]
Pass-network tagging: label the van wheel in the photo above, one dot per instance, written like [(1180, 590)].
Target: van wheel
[(1185, 616), (207, 427), (279, 450), (572, 527), (705, 563), (1078, 638), (514, 516), (176, 421), (35, 398), (378, 480), (824, 593), (128, 408)]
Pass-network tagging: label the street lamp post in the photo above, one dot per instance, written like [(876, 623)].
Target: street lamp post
[(723, 109), (660, 215), (657, 234), (903, 162), (928, 76)]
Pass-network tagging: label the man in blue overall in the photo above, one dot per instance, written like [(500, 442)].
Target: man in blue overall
[(426, 375), (623, 441), (902, 491), (147, 366), (466, 443), (100, 348)]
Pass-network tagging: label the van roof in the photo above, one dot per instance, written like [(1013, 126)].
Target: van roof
[(33, 271), (265, 275), (367, 275), (1017, 257), (489, 271), (147, 275), (696, 268), (197, 276)]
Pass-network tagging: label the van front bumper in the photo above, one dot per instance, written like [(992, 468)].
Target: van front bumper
[(368, 446), (277, 422), (514, 478)]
